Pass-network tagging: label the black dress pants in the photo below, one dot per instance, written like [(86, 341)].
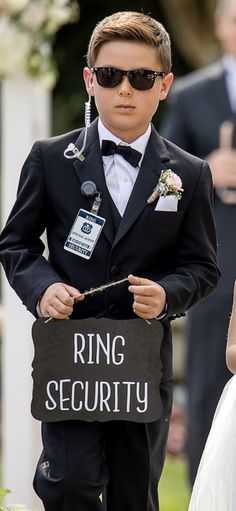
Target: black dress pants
[(121, 460)]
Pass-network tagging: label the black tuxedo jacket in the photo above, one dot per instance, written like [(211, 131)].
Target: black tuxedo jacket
[(197, 106), (176, 249)]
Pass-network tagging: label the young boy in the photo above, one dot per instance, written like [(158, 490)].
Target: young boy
[(168, 244)]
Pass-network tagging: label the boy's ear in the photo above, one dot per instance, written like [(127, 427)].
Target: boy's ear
[(88, 80), (165, 85)]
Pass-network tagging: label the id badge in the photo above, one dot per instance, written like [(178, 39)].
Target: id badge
[(84, 234)]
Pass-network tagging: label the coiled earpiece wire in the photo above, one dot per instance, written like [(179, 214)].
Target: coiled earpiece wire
[(72, 151)]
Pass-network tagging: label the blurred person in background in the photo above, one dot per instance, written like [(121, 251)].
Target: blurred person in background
[(201, 118)]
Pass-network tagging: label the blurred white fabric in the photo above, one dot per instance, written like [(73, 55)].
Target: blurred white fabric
[(214, 487)]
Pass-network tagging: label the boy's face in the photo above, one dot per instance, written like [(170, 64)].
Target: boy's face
[(124, 110), (225, 28)]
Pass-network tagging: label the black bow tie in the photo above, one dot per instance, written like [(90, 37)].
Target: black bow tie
[(129, 154)]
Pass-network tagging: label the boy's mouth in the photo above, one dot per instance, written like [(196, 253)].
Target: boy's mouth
[(125, 108)]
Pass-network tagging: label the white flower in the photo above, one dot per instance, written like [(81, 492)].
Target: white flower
[(47, 80), (13, 6), (173, 182), (57, 16), (27, 30), (34, 16), (13, 48), (168, 184)]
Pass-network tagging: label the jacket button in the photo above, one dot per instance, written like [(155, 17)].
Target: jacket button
[(113, 309), (115, 270)]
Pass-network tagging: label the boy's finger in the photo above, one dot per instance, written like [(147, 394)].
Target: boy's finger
[(147, 290), (73, 292), (139, 281)]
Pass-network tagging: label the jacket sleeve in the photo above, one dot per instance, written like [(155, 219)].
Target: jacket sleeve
[(21, 247), (196, 273)]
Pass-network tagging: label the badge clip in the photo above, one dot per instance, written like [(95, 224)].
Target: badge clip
[(96, 204), (73, 152)]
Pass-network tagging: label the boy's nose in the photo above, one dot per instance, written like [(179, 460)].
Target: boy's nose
[(125, 89)]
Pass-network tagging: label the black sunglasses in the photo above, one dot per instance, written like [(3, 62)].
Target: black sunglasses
[(140, 79)]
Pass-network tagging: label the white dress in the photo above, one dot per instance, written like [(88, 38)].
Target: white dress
[(215, 485)]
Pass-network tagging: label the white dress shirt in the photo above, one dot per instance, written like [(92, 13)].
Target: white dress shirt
[(119, 174)]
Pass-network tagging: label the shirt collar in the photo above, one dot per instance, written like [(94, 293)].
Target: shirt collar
[(229, 63), (139, 144)]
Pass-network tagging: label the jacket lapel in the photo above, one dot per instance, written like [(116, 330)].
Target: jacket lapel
[(218, 94), (156, 159), (91, 169)]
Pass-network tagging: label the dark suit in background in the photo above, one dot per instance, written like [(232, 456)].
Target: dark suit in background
[(198, 106), (173, 248)]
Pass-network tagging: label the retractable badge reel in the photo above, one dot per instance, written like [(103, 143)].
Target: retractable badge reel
[(87, 226), (89, 189)]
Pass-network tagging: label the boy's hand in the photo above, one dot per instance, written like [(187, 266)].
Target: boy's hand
[(149, 297), (223, 159), (58, 300)]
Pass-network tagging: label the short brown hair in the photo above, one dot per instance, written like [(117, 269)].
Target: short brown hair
[(131, 26)]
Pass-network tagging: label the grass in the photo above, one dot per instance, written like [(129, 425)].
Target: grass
[(173, 489)]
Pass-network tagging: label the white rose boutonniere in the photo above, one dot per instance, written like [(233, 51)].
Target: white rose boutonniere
[(168, 184)]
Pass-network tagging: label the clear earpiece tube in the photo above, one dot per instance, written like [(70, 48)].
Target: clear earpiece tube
[(72, 151)]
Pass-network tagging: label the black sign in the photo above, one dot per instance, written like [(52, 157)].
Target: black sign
[(97, 369)]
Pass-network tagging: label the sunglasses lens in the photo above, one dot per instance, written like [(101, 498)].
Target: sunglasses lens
[(108, 77), (141, 79)]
